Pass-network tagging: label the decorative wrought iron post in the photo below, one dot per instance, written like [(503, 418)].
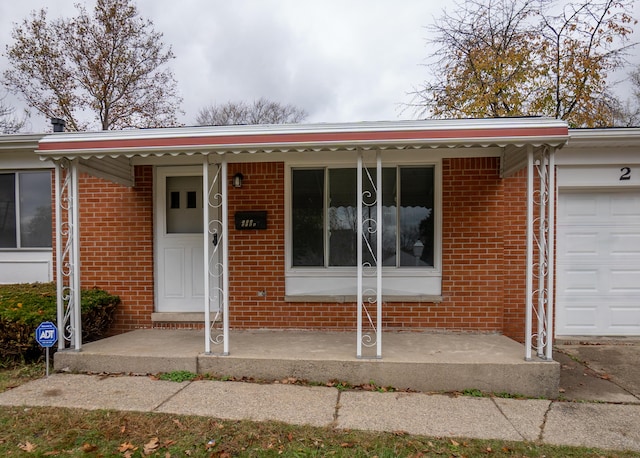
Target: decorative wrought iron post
[(369, 334), (67, 255), (216, 270), (540, 253)]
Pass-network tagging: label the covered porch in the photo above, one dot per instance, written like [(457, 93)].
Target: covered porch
[(420, 361), (461, 282)]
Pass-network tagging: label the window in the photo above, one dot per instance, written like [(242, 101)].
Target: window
[(184, 205), (324, 217), (25, 210)]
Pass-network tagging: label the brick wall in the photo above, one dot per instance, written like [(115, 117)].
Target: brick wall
[(256, 257), (472, 250), (474, 259), (515, 254), (116, 244), (482, 245)]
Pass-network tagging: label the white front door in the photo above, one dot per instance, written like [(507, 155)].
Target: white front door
[(179, 239), (598, 263)]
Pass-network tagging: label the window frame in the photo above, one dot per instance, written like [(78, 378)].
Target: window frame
[(16, 173), (405, 281)]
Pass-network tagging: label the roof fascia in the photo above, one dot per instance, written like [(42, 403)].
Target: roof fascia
[(20, 142), (593, 138), (309, 137)]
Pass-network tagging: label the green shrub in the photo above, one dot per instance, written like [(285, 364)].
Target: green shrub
[(24, 306)]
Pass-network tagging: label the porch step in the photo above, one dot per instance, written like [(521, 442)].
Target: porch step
[(410, 361)]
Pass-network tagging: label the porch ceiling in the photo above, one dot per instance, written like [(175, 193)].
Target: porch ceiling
[(514, 133)]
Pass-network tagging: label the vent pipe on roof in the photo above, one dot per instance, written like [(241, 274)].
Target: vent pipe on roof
[(58, 124)]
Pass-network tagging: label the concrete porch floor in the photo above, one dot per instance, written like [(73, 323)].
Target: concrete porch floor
[(415, 361)]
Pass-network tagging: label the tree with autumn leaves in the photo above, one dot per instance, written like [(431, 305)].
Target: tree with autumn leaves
[(109, 65), (497, 58)]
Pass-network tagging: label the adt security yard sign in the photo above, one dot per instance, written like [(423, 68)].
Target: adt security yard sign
[(46, 334)]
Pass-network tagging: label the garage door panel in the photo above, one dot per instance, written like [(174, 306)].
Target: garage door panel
[(625, 317), (579, 206), (583, 281), (580, 243), (625, 206), (625, 281), (579, 316), (598, 263), (625, 244)]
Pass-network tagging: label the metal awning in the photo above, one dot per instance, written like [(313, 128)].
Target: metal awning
[(516, 132), (106, 153)]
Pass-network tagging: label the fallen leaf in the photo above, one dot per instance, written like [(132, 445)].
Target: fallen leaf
[(346, 445), (53, 453), (178, 424), (27, 447), (151, 446), (88, 448), (123, 428), (126, 446), (454, 443), (290, 437)]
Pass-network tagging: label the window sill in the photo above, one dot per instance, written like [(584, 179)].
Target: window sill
[(352, 298)]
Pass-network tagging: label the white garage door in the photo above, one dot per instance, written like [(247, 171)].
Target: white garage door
[(598, 263)]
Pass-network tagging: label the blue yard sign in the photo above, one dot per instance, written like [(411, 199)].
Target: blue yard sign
[(46, 334)]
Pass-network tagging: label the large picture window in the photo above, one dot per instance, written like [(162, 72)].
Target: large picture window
[(324, 216), (25, 210)]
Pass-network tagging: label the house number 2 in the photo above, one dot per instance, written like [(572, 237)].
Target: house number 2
[(626, 173)]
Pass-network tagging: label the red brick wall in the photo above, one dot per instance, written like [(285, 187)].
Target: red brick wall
[(116, 244), (256, 257), (472, 250), (482, 248), (515, 254), (473, 247)]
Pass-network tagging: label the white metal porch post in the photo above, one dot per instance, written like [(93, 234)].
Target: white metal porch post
[(225, 257), (529, 261), (68, 297), (205, 253), (551, 252), (540, 253), (215, 252), (373, 226)]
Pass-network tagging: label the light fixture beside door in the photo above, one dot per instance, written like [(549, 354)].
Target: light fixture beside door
[(237, 180)]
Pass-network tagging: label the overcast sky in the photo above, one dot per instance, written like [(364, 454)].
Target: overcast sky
[(340, 60)]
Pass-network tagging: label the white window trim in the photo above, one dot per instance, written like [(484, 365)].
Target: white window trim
[(406, 282)]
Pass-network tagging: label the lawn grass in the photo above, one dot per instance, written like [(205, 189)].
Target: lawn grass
[(47, 431)]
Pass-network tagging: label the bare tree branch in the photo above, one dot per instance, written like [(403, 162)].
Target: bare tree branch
[(527, 57), (261, 111), (109, 65)]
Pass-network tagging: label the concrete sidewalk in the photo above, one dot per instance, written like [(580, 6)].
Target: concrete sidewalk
[(602, 425)]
